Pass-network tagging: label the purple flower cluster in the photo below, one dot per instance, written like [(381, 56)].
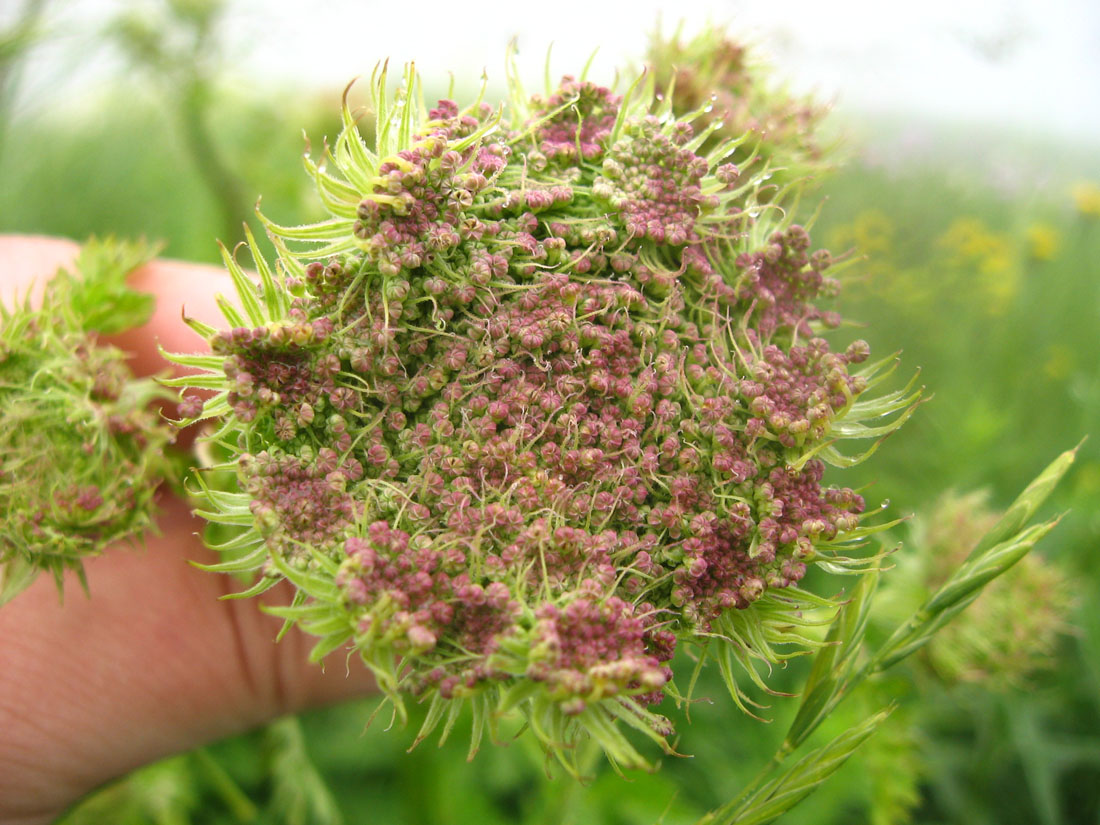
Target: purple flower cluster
[(574, 122), (542, 440), (297, 502), (780, 282), (417, 591), (276, 368), (592, 647), (415, 210), (795, 394), (654, 182)]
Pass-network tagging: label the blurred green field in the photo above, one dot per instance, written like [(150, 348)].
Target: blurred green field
[(994, 295)]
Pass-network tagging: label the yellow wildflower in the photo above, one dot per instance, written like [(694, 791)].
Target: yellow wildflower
[(871, 233), (1043, 242), (1059, 362), (972, 245), (1086, 198)]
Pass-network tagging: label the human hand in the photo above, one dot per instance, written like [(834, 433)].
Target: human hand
[(153, 663)]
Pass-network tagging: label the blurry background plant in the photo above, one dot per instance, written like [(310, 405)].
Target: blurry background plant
[(713, 70), (177, 45), (170, 148), (1010, 356), (15, 41), (1011, 632)]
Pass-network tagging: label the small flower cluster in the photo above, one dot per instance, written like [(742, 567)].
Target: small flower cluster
[(596, 646), (416, 208), (297, 501), (289, 382), (782, 281), (534, 409), (81, 447), (795, 394), (573, 122), (654, 182)]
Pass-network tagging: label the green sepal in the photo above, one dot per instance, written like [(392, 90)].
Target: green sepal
[(432, 718), (210, 381), (209, 363), (246, 290), (204, 330), (262, 585), (479, 709), (272, 289), (244, 564)]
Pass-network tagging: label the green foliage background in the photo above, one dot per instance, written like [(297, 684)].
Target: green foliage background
[(992, 290)]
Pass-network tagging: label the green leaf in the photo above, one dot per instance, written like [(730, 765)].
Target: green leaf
[(979, 570), (778, 796), (954, 597), (1027, 503), (299, 793), (230, 793)]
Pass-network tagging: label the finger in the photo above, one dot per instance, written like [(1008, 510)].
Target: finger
[(152, 664), (28, 261)]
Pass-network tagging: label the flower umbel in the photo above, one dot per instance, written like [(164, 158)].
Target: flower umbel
[(545, 399)]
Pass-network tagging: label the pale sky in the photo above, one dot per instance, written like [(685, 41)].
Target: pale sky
[(1024, 63)]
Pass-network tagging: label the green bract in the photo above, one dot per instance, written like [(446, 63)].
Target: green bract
[(544, 400)]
